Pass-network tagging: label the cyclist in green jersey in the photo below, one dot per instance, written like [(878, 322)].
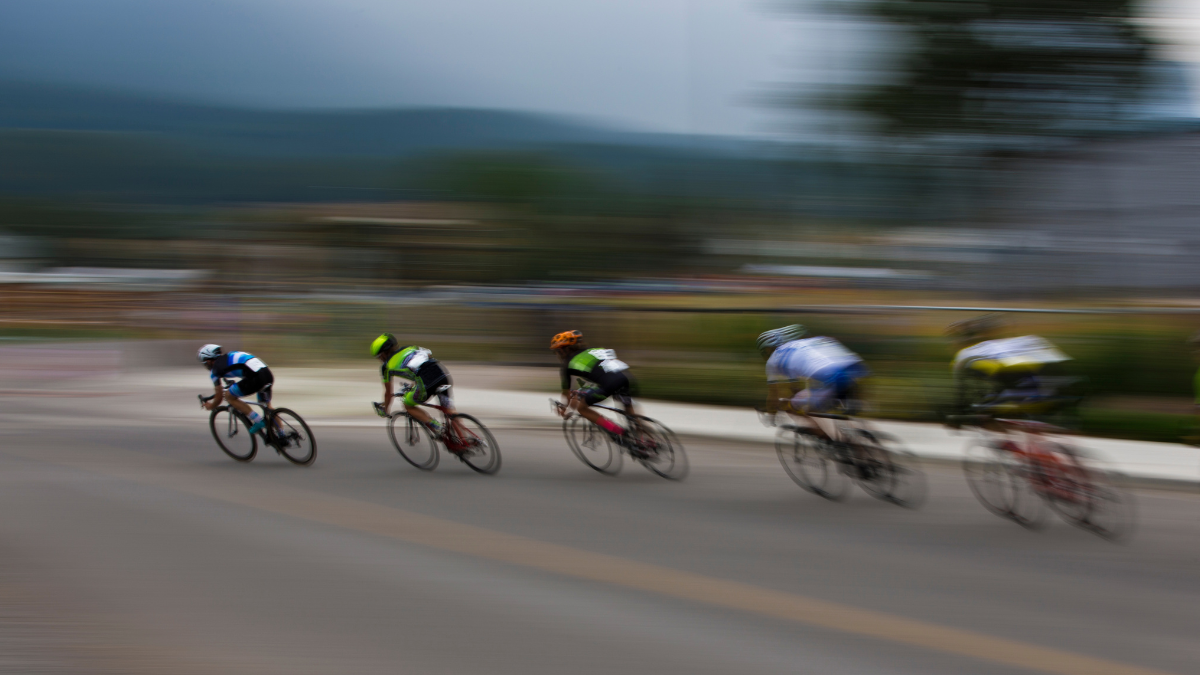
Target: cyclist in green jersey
[(417, 365), (599, 375)]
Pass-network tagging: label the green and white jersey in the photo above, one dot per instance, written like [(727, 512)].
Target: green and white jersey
[(405, 363), (592, 365)]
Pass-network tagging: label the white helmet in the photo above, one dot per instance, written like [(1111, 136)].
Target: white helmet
[(208, 352), (773, 338)]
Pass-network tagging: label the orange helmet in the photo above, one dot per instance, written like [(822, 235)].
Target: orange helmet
[(567, 339)]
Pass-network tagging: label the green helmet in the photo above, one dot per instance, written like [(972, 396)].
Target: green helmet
[(778, 336), (384, 344)]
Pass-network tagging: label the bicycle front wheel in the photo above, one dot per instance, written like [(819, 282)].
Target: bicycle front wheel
[(231, 430), (662, 452), (1000, 481), (807, 459), (412, 441), (297, 442), (477, 447), (591, 445)]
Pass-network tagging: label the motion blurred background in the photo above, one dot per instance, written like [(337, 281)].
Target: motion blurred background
[(669, 176)]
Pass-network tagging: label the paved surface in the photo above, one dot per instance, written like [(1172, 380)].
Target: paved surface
[(129, 544)]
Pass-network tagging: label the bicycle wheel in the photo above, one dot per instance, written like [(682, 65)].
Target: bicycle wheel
[(1086, 497), (891, 472), (301, 447), (592, 445), (231, 430), (412, 441), (1112, 512), (663, 453), (807, 459), (479, 449), (1000, 481)]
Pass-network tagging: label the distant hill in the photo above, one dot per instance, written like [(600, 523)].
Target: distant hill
[(58, 141), (332, 133)]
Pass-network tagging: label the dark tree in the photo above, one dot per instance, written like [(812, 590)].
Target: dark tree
[(994, 68)]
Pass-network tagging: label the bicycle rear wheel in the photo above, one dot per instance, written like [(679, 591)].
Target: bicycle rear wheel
[(479, 449), (889, 471), (592, 445), (1087, 497), (412, 441), (301, 447), (664, 454), (807, 459), (231, 430)]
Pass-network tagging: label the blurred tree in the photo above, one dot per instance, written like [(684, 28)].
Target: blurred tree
[(1004, 68)]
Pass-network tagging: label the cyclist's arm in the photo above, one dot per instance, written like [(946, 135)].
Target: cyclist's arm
[(565, 376), (218, 396), (387, 396), (775, 391)]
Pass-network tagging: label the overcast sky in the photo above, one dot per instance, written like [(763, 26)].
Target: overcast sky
[(665, 65)]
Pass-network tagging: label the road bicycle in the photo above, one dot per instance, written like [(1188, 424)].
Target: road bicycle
[(464, 437), (827, 465), (1017, 467), (646, 441), (284, 430)]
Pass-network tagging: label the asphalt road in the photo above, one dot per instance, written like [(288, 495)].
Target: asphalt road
[(134, 547)]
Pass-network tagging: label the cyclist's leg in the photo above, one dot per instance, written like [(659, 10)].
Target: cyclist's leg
[(441, 387), (812, 399), (582, 403), (238, 405), (246, 386), (413, 399), (264, 397)]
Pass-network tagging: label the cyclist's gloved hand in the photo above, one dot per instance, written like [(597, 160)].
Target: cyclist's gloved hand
[(380, 410)]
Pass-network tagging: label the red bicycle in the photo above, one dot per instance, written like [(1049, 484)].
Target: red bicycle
[(1017, 467), (464, 437)]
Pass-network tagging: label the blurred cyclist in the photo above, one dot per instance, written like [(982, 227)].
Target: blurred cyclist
[(599, 374), (417, 365), (256, 378), (1008, 375), (809, 374)]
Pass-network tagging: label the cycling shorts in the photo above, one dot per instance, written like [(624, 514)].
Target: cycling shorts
[(255, 383), (617, 386), (839, 387), (430, 380)]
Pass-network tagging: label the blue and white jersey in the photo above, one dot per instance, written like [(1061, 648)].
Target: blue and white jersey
[(816, 358), (235, 364)]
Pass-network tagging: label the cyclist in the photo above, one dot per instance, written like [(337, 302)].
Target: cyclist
[(598, 373), (417, 365), (256, 378), (809, 374), (1008, 375)]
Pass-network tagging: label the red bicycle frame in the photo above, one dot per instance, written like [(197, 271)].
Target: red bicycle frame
[(1050, 474)]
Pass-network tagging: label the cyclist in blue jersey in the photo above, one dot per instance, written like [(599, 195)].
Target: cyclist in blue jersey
[(256, 378), (809, 374)]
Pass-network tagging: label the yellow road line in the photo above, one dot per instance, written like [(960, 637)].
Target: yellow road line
[(446, 535)]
